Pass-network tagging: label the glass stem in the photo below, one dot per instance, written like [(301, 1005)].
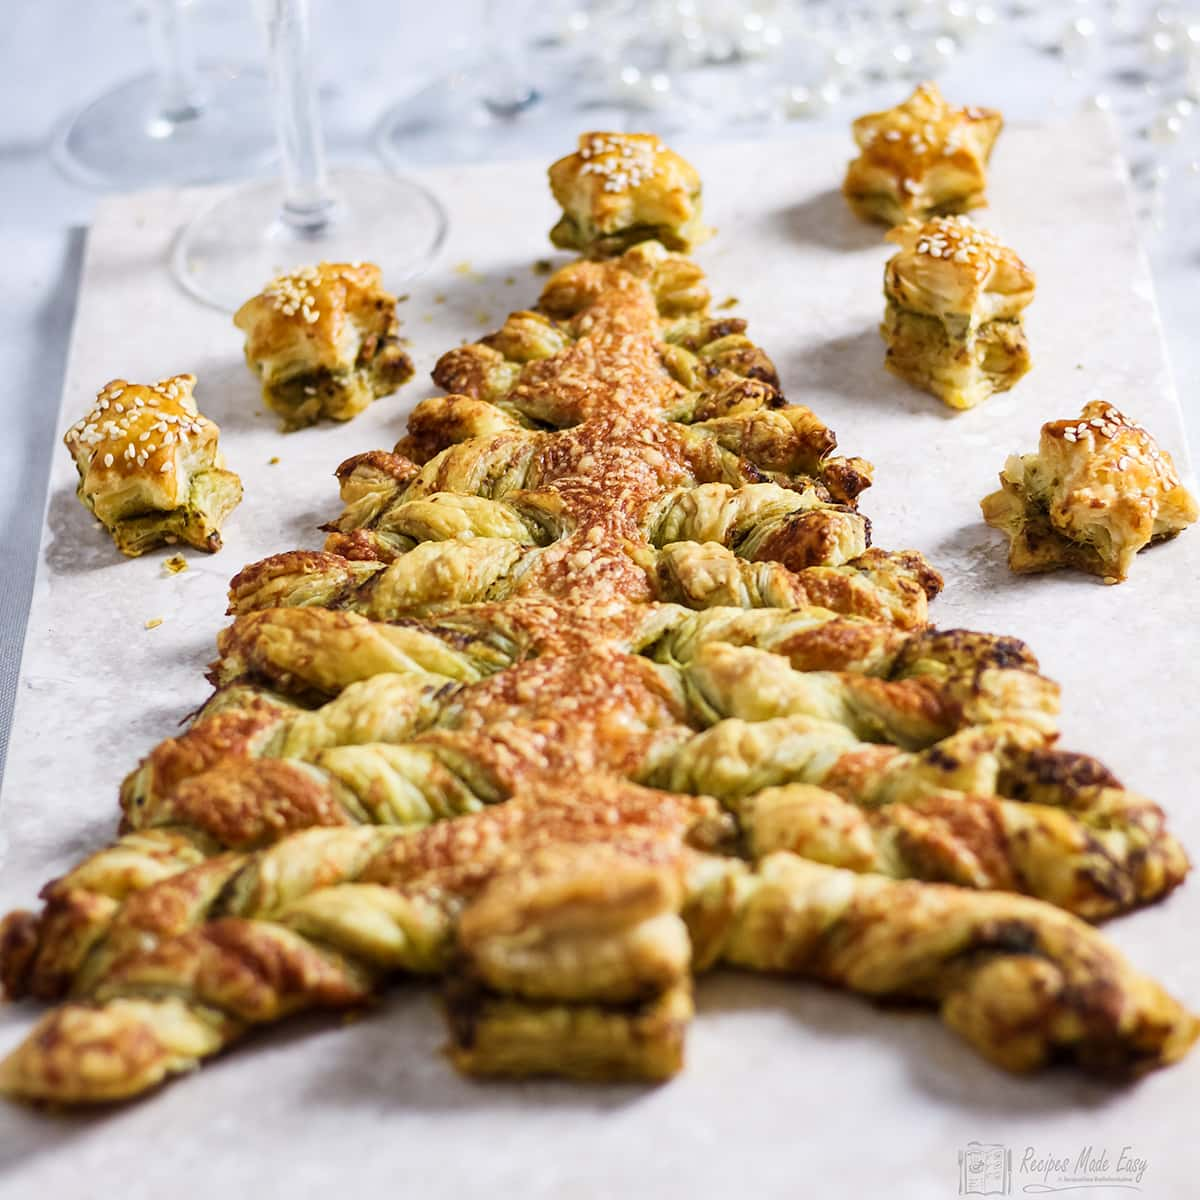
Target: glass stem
[(507, 90), (181, 98), (308, 202)]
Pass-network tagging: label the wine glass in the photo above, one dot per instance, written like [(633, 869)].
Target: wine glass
[(261, 230), (491, 108), (180, 123)]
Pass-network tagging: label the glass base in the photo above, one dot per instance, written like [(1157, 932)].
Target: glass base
[(228, 253), (455, 121), (123, 140)]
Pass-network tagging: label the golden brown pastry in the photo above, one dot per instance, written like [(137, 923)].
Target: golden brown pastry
[(325, 342), (982, 802), (955, 295), (613, 447), (911, 696), (150, 468), (1097, 491), (571, 919), (921, 158), (618, 189)]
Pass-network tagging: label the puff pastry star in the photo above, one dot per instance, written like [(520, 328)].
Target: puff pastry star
[(325, 342), (921, 158), (1098, 490), (149, 466), (619, 189), (955, 295)]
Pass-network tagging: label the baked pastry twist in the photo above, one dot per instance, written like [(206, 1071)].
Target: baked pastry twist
[(1097, 491), (582, 570), (312, 653), (325, 342), (459, 747), (254, 768), (989, 806), (150, 469), (937, 685), (921, 158), (575, 915), (665, 435), (955, 295)]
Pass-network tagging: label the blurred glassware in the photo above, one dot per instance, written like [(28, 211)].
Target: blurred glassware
[(180, 123), (494, 107), (703, 65), (260, 230)]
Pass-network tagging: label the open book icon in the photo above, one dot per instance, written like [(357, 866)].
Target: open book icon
[(984, 1170)]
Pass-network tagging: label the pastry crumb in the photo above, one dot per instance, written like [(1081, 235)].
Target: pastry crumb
[(729, 302), (509, 280), (402, 299), (543, 266), (467, 271), (175, 564), (154, 622), (440, 298), (272, 460), (483, 318)]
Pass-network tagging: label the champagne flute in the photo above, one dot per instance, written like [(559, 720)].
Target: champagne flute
[(180, 123), (261, 230), (485, 110)]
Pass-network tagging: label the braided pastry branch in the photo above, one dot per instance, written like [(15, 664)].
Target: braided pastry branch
[(977, 808), (939, 684), (966, 810), (1023, 982), (436, 576), (522, 895)]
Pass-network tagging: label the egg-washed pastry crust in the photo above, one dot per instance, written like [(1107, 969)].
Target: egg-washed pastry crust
[(325, 342), (953, 322), (150, 469), (597, 684), (619, 189), (921, 159), (1098, 490)]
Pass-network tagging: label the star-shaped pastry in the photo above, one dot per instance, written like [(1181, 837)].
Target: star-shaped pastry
[(1098, 490), (149, 466), (619, 189), (325, 342), (921, 158)]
